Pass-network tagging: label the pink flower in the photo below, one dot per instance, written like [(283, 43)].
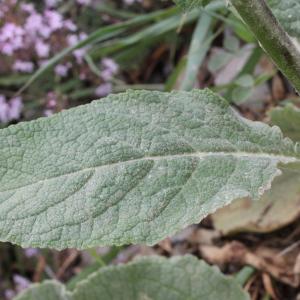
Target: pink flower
[(68, 24), (17, 42), (51, 3), (29, 8), (103, 89), (11, 30), (106, 75), (45, 31), (72, 39), (51, 100), (48, 112), (79, 55), (9, 294), (84, 2), (110, 68), (23, 66), (34, 23), (42, 49), (31, 252), (11, 38), (110, 64), (82, 36), (129, 2), (10, 110), (15, 108), (3, 110), (51, 103), (7, 49), (54, 19), (61, 70), (21, 282)]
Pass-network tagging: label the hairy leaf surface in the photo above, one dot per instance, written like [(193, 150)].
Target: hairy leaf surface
[(48, 290), (155, 278), (131, 168), (288, 14)]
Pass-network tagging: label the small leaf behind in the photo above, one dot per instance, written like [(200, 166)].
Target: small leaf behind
[(155, 278), (288, 119)]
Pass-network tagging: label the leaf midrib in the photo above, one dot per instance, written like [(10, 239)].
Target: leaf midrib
[(199, 155)]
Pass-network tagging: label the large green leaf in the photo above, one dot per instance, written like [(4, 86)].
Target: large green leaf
[(287, 12), (153, 278), (48, 290), (131, 168)]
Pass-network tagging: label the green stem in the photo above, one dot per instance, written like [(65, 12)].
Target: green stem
[(271, 36), (198, 51), (244, 274), (96, 256)]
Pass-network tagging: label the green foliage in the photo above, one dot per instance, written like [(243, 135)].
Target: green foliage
[(165, 20), (200, 45), (287, 12), (49, 290), (131, 168), (273, 39), (288, 119), (187, 5), (178, 278)]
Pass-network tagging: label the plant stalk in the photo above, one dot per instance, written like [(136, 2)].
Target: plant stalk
[(272, 37), (198, 50)]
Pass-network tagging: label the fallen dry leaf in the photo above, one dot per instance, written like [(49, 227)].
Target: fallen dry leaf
[(264, 260), (277, 208)]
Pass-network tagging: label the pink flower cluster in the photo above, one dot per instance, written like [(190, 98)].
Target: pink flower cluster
[(51, 104), (34, 32), (130, 2), (11, 38), (109, 69), (29, 37), (21, 284), (10, 110)]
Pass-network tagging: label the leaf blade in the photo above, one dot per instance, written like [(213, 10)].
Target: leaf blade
[(178, 278), (48, 290), (132, 168)]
